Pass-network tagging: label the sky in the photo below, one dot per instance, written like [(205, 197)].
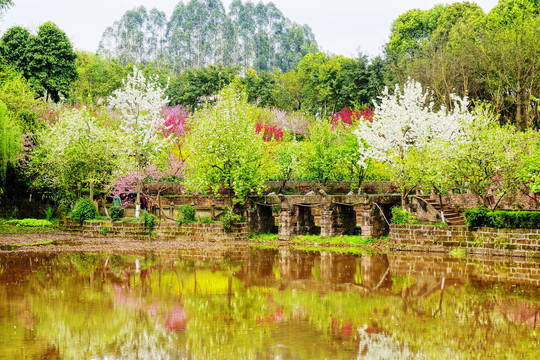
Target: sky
[(341, 27)]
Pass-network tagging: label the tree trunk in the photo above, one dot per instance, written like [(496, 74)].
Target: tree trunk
[(159, 203), (520, 121), (404, 194), (138, 201), (91, 185)]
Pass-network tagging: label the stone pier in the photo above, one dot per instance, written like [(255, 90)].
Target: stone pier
[(261, 219), (340, 219)]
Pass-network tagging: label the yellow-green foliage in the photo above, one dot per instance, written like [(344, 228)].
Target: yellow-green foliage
[(10, 140)]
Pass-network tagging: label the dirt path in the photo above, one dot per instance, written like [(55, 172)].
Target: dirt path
[(58, 241), (62, 242)]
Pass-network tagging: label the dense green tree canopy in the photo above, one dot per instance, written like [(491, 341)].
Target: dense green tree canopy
[(53, 61), (458, 48), (330, 83), (47, 60), (14, 48), (97, 78), (197, 85)]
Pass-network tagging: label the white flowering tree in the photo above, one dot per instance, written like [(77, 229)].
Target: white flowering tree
[(140, 102), (77, 150), (490, 159), (404, 125), (225, 150)]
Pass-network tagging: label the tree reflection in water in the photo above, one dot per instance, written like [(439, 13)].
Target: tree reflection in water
[(260, 304)]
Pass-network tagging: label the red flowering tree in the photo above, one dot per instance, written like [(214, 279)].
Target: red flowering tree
[(349, 117), (270, 132)]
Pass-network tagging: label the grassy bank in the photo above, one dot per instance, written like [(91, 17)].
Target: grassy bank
[(315, 240), (28, 226)]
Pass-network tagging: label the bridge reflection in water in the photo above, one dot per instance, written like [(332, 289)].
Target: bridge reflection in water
[(267, 304)]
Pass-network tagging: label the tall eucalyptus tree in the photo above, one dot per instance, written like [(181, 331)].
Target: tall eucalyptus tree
[(138, 36), (202, 33)]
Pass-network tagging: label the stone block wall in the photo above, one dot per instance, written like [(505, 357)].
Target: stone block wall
[(469, 201), (332, 187), (508, 270), (162, 231), (205, 206), (300, 186), (484, 241), (199, 200)]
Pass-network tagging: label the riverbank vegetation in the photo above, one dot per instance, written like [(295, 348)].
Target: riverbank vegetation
[(344, 240), (113, 125)]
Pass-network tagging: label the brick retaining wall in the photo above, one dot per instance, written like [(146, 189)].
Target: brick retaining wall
[(483, 241), (334, 187), (506, 270), (162, 231), (469, 201)]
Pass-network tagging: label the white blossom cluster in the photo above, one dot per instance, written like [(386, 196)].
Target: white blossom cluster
[(75, 134), (407, 119), (140, 101)]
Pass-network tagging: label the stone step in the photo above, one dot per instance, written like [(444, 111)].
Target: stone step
[(450, 215)]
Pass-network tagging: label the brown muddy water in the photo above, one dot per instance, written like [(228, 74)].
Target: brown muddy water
[(247, 303)]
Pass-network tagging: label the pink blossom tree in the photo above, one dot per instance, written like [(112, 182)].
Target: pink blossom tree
[(154, 176), (175, 126)]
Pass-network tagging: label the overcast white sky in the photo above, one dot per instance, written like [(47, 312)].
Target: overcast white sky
[(340, 26)]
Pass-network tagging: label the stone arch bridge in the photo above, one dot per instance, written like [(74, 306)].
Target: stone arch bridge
[(329, 215)]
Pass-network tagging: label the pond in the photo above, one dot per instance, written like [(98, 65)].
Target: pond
[(256, 303)]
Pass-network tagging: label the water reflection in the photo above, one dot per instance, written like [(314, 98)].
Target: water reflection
[(267, 304)]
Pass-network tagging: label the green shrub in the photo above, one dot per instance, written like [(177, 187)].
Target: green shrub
[(149, 221), (206, 220), (30, 222), (14, 213), (116, 213), (63, 210), (186, 214), (48, 214), (99, 218), (229, 219), (130, 219), (105, 230), (399, 216), (477, 217), (503, 219), (84, 210)]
